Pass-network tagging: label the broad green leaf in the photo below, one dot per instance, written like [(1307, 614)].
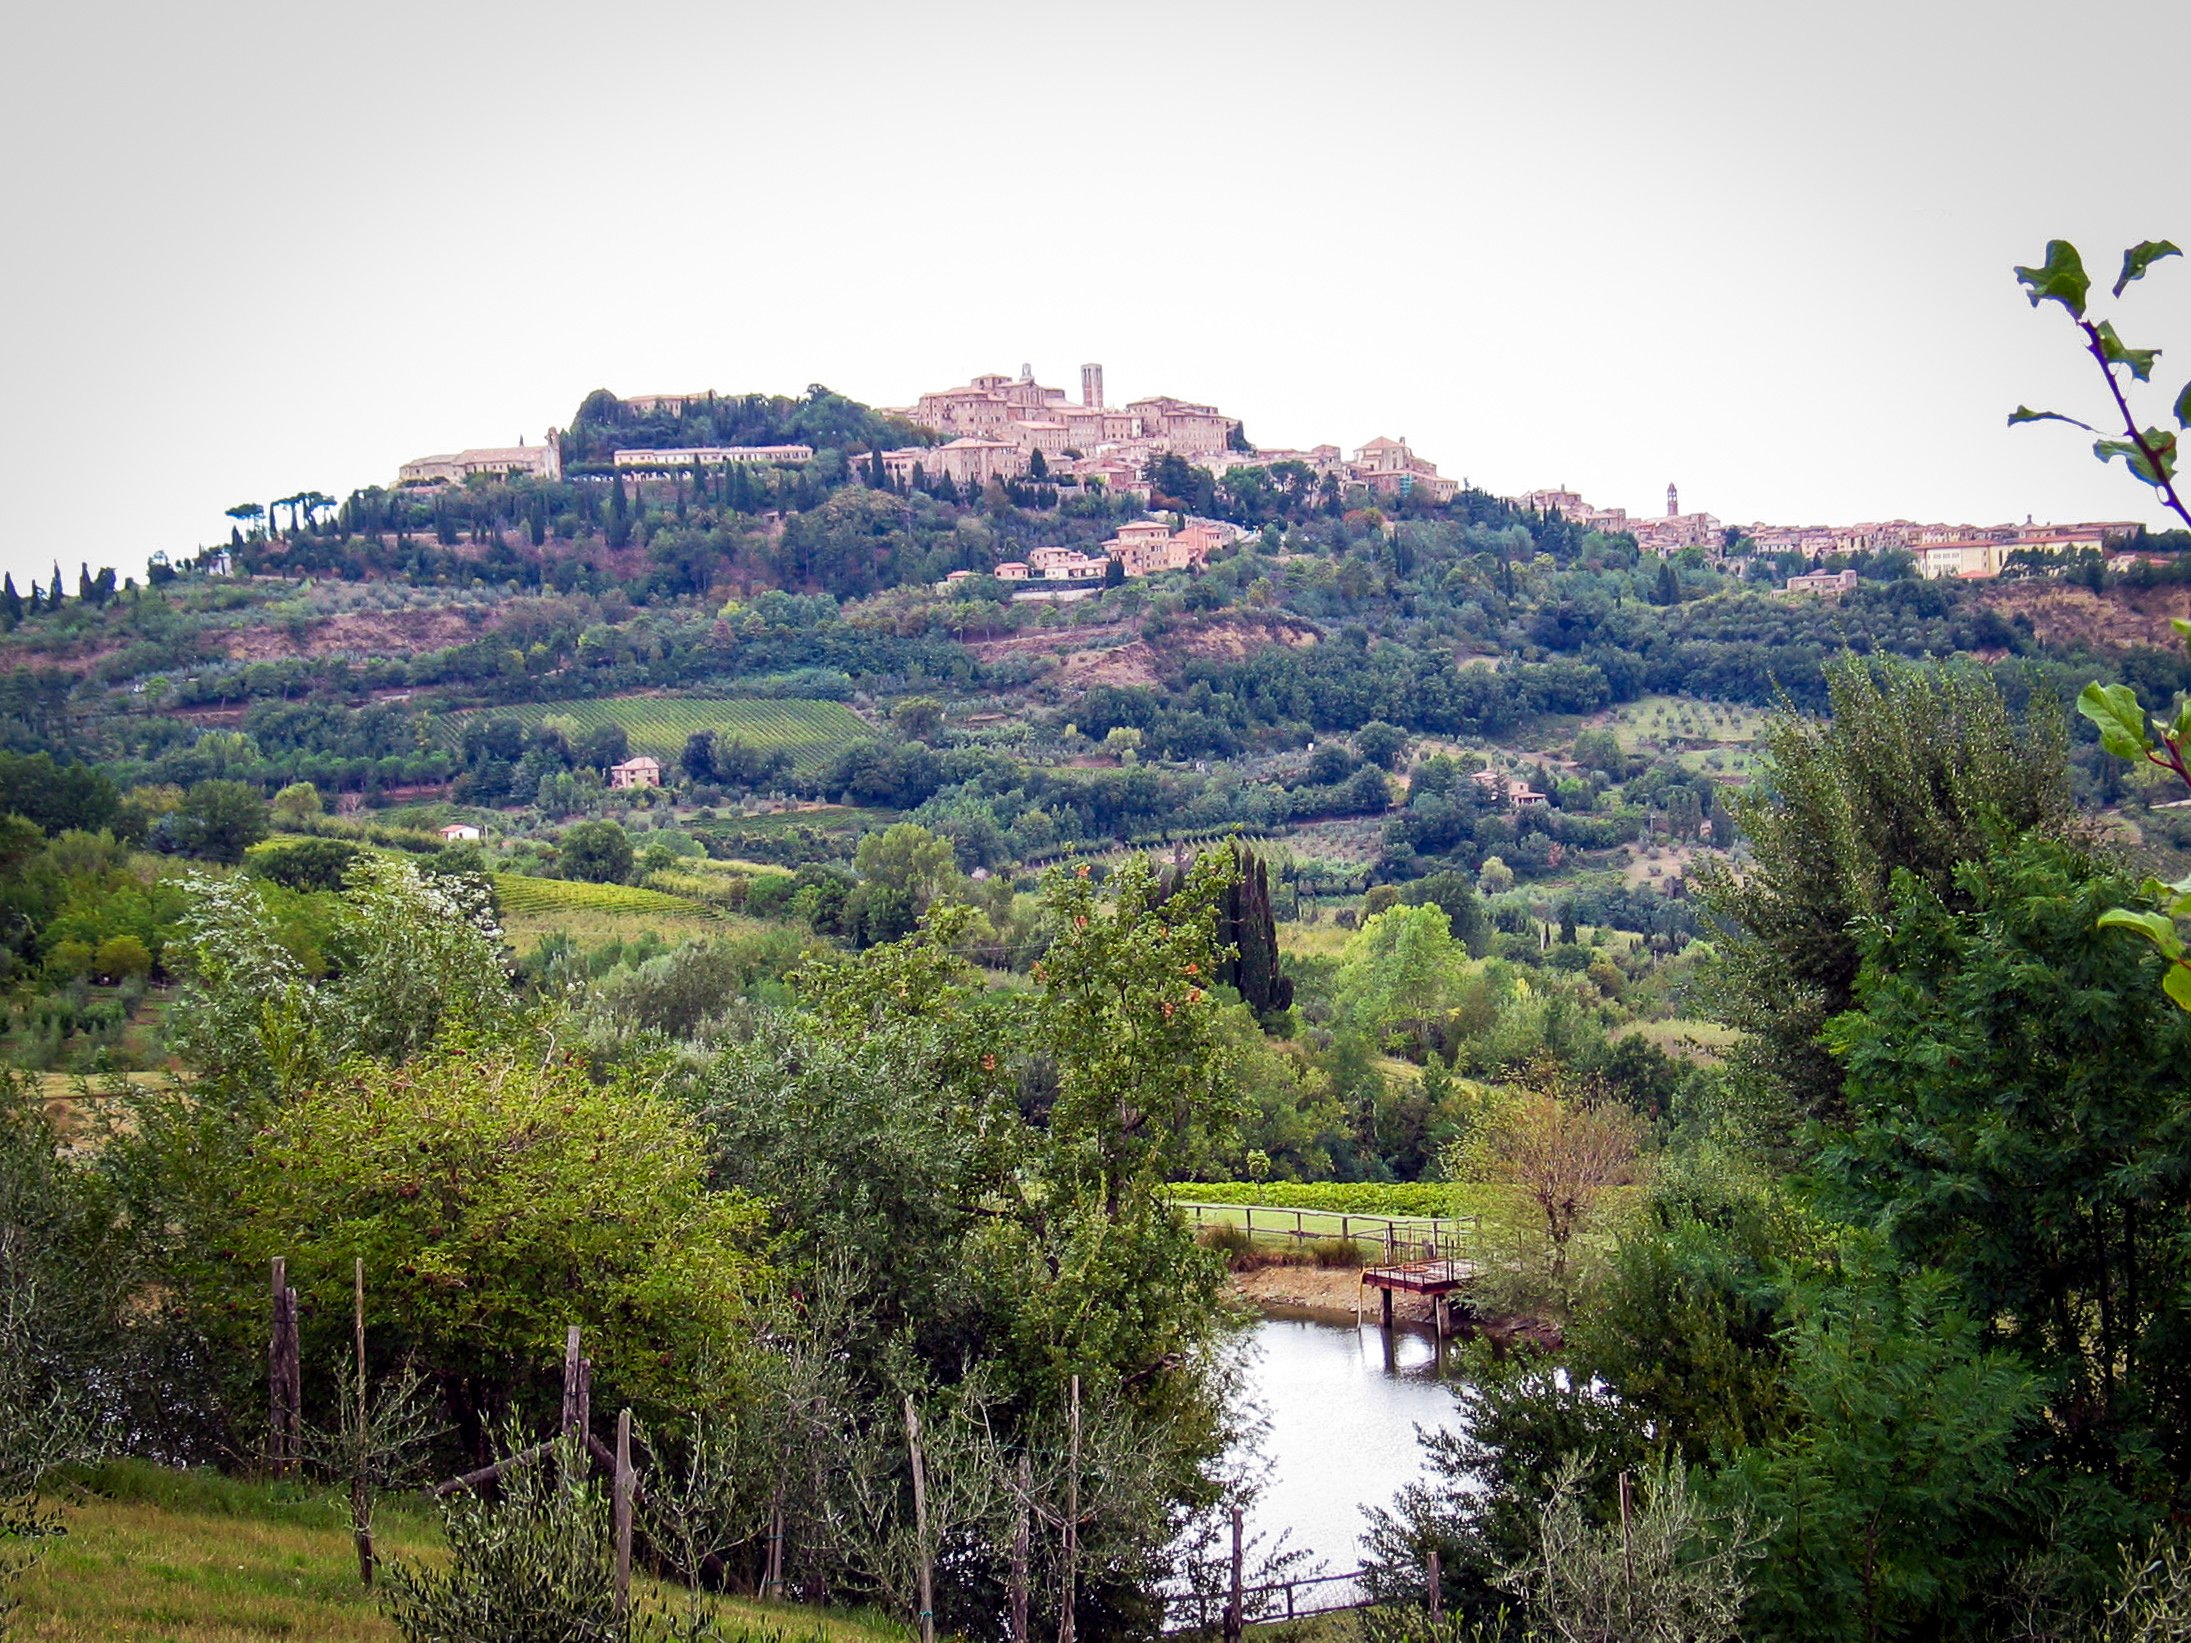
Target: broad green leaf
[(2061, 278), (2024, 413), (2140, 360), (2183, 407), (2159, 931), (2142, 256), (2160, 441), (2180, 731), (2121, 721), (2177, 985), (2183, 628)]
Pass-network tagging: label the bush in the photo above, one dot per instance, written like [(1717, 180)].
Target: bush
[(538, 1564)]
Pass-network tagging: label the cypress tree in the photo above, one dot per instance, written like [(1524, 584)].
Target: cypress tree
[(11, 602)]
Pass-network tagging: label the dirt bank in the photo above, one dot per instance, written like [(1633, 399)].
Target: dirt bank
[(1325, 1292), (1328, 1295)]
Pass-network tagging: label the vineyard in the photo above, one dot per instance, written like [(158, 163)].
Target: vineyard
[(1398, 1198), (812, 732), (525, 897)]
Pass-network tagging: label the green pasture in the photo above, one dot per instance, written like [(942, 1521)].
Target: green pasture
[(812, 731)]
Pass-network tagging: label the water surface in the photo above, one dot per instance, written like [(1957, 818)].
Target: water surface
[(1341, 1418)]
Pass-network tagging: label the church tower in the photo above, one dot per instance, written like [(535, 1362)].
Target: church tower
[(1673, 503), (1091, 386)]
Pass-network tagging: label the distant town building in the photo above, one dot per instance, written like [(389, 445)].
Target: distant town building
[(716, 456), (963, 461), (1391, 470), (542, 461), (640, 772), (1822, 581)]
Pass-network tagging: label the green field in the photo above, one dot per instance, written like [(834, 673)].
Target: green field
[(812, 732)]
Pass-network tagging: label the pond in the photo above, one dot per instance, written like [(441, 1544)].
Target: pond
[(1341, 1411)]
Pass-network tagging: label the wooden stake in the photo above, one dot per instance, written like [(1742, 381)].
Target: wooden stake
[(1627, 1550), (920, 1521), (361, 1483), (277, 1382), (1236, 1607), (570, 1379), (621, 1508), (1065, 1623), (1022, 1548), (1437, 1588)]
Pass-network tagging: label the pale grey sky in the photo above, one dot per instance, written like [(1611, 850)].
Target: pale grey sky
[(1759, 249)]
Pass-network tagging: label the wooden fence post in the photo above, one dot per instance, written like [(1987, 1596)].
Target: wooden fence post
[(920, 1521), (277, 1383), (570, 1380), (1437, 1588), (1235, 1609), (1022, 1547), (1065, 1622), (621, 1510), (361, 1482)]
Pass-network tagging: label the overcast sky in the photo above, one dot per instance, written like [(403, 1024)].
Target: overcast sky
[(1759, 249)]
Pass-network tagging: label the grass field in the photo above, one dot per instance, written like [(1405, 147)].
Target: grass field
[(811, 731), (156, 1556)]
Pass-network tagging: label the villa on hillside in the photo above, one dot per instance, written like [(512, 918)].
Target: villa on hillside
[(542, 461), (643, 771)]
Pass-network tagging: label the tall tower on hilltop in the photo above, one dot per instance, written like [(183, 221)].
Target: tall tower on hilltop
[(1673, 503), (1091, 385), (1027, 373)]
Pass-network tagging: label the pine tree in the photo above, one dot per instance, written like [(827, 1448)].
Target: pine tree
[(11, 602)]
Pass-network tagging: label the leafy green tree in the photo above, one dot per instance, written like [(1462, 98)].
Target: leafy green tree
[(1382, 744), (1400, 970), (1918, 768), (297, 803), (1891, 1505), (2019, 1120), (602, 745), (918, 718), (597, 851), (219, 820), (496, 1199)]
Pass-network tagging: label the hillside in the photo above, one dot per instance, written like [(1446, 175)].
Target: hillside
[(198, 1558)]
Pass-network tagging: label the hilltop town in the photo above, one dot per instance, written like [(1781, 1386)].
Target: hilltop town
[(1002, 430)]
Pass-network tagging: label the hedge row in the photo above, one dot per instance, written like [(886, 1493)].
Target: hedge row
[(1339, 1197)]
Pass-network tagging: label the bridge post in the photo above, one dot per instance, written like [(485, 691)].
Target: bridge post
[(1384, 1303)]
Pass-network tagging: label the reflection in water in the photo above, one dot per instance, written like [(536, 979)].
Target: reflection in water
[(1342, 1407)]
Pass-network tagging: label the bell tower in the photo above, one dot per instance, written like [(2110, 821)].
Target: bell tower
[(1091, 386), (1673, 503)]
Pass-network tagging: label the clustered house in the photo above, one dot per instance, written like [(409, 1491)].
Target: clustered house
[(1142, 548), (997, 425), (643, 771), (1968, 552)]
